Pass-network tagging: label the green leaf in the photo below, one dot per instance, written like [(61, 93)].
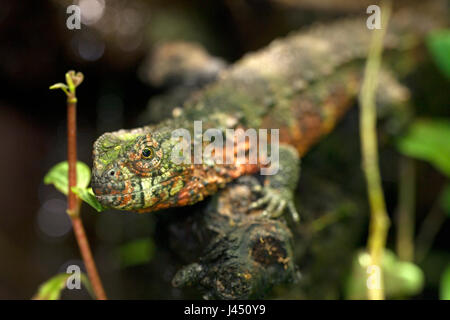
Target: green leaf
[(438, 43), (136, 252), (444, 293), (58, 175), (52, 288), (428, 140), (87, 195), (58, 86)]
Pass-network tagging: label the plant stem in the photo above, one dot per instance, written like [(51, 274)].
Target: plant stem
[(72, 153), (74, 203), (379, 220), (430, 227), (85, 250), (405, 210)]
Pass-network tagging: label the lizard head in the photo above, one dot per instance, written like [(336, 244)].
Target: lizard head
[(132, 170)]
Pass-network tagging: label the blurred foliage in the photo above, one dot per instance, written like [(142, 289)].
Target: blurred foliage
[(445, 285), (401, 279), (52, 288), (438, 43), (428, 140), (136, 252)]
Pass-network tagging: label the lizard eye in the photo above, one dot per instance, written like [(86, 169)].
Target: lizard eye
[(147, 153), (145, 159)]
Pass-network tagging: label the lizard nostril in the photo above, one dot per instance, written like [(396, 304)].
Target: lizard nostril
[(111, 173)]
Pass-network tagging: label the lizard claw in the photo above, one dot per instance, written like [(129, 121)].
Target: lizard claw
[(276, 202)]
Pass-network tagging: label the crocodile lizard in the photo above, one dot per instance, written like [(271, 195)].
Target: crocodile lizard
[(302, 85)]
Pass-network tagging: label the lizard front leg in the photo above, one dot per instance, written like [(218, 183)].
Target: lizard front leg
[(278, 189)]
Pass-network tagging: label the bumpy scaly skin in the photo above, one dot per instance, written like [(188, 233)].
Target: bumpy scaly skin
[(301, 85), (124, 179)]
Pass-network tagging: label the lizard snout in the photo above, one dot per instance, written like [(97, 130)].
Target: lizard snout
[(112, 174), (106, 180)]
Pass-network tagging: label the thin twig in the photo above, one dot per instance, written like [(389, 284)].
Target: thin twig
[(73, 209), (72, 153), (89, 262), (379, 220)]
